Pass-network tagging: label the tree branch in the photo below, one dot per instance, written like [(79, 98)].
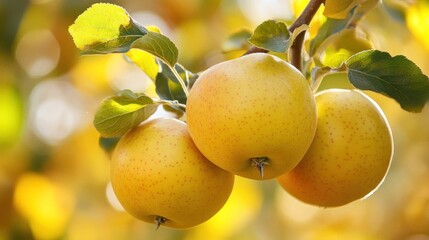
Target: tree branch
[(296, 49), (305, 18)]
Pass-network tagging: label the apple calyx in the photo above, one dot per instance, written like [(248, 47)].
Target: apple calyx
[(260, 163), (159, 220)]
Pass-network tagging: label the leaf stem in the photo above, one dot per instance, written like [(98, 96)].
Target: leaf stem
[(182, 83), (318, 73), (173, 103)]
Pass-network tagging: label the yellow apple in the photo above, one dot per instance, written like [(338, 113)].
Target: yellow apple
[(254, 116), (350, 154), (159, 176)]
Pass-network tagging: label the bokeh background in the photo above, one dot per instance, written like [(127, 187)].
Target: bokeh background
[(54, 177)]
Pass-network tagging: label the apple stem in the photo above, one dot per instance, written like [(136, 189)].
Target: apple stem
[(260, 163), (159, 220)]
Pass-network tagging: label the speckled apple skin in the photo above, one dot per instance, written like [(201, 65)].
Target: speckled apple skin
[(350, 154), (254, 106), (156, 170)]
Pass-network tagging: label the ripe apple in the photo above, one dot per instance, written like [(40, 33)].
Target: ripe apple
[(350, 154), (254, 116), (159, 176)]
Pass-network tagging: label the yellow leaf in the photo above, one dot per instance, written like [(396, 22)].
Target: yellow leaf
[(343, 45), (99, 23), (339, 9), (152, 28), (145, 61), (334, 58)]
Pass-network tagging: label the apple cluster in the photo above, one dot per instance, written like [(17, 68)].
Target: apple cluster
[(254, 117)]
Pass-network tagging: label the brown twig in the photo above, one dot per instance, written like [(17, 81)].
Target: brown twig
[(305, 18), (296, 49)]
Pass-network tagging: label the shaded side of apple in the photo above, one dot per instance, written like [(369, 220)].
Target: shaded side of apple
[(350, 154), (159, 175)]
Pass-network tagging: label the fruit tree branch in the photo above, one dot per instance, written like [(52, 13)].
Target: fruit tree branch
[(296, 49), (305, 18)]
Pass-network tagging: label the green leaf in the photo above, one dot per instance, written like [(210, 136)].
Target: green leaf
[(328, 29), (272, 36), (339, 9), (108, 144), (168, 87), (118, 114), (105, 28), (396, 77), (237, 41), (158, 45), (177, 111)]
